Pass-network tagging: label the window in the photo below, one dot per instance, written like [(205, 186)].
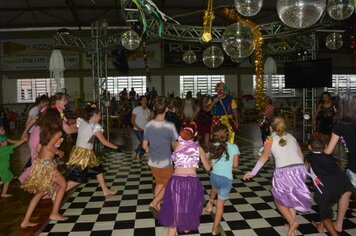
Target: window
[(342, 84), (276, 86), (29, 89), (117, 84), (205, 84)]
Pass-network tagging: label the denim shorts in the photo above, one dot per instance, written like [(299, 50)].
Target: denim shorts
[(222, 184), (352, 176)]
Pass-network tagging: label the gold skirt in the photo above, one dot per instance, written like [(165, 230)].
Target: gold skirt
[(83, 158), (42, 178)]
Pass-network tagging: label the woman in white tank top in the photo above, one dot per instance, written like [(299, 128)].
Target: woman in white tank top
[(289, 190)]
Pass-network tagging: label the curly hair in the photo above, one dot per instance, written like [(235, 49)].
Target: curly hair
[(50, 123), (217, 145)]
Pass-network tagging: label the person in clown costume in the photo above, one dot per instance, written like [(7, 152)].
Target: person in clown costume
[(224, 110)]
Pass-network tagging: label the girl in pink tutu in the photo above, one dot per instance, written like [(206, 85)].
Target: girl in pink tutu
[(289, 190), (184, 194)]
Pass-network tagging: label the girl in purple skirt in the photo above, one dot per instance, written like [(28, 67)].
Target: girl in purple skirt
[(184, 194), (289, 190)]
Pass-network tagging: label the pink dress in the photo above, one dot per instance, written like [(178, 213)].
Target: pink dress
[(33, 141)]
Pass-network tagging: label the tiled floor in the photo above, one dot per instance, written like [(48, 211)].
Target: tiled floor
[(249, 211)]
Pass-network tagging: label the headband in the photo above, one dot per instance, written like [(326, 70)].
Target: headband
[(190, 129)]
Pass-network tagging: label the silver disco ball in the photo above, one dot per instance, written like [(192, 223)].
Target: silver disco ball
[(248, 7), (237, 60), (300, 13), (213, 57), (340, 9), (238, 41), (334, 41), (189, 57), (130, 40)]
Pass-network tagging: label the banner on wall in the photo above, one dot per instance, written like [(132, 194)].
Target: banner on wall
[(33, 54)]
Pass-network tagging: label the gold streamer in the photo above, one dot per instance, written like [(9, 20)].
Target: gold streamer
[(260, 94), (208, 22)]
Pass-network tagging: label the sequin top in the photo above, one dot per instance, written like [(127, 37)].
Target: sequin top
[(187, 156)]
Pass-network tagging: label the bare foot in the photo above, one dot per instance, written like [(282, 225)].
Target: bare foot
[(57, 217), (318, 226), (6, 195), (208, 208), (27, 224), (293, 228), (110, 193), (337, 227)]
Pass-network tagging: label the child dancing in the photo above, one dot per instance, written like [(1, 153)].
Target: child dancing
[(333, 185), (289, 190), (184, 194), (45, 177), (5, 155), (224, 157), (83, 164)]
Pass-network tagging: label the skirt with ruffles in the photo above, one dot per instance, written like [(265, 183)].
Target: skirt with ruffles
[(42, 178), (183, 203), (289, 188)]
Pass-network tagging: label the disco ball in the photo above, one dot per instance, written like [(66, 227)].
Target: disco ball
[(300, 13), (237, 60), (130, 40), (213, 57), (334, 41), (238, 41), (248, 7), (340, 9), (189, 57)]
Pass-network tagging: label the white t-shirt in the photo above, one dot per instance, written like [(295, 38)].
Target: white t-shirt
[(86, 131), (33, 112), (142, 116), (288, 154)]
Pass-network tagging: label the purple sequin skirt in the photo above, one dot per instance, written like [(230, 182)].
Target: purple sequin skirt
[(183, 203), (289, 188)]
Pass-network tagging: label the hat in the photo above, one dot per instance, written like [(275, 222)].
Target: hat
[(221, 86)]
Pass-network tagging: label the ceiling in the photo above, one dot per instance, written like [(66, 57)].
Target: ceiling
[(79, 14)]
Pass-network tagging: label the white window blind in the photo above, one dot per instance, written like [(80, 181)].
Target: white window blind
[(342, 84), (117, 84), (205, 84), (276, 85), (29, 89)]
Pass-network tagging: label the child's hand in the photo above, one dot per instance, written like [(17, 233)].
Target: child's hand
[(60, 153), (24, 138), (248, 176)]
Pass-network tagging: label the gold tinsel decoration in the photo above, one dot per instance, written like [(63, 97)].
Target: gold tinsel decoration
[(208, 22), (260, 94)]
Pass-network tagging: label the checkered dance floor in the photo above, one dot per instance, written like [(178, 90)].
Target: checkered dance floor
[(249, 211)]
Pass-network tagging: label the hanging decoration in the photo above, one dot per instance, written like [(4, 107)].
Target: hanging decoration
[(213, 56), (334, 41), (340, 9), (145, 60), (208, 22), (130, 40), (269, 69), (248, 7), (56, 68), (237, 60), (189, 57), (260, 94), (300, 13), (237, 40)]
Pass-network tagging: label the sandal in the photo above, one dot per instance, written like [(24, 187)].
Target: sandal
[(154, 211)]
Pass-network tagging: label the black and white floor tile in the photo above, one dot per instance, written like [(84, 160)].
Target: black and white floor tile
[(249, 211)]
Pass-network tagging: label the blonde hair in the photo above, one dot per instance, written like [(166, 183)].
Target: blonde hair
[(279, 126)]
